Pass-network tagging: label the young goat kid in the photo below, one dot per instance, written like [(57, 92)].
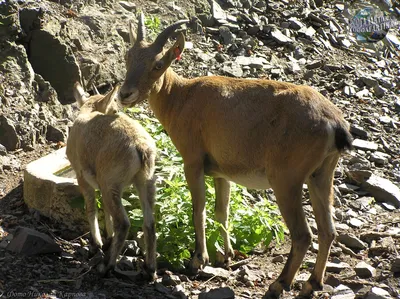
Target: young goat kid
[(110, 151), (258, 133)]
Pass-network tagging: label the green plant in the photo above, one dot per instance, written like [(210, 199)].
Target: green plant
[(152, 25), (251, 222)]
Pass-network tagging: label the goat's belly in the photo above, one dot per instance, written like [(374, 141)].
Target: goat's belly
[(250, 180)]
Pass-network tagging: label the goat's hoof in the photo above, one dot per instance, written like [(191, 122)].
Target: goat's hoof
[(103, 270), (276, 288), (309, 287), (198, 261), (271, 295), (149, 273)]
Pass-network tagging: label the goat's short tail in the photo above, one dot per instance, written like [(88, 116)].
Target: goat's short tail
[(343, 138), (147, 160)]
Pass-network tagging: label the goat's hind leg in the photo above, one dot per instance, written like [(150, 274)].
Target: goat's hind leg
[(146, 189), (112, 204), (290, 206), (91, 211), (320, 186)]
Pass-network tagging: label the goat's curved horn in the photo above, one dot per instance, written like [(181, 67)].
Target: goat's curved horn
[(141, 32), (163, 36)]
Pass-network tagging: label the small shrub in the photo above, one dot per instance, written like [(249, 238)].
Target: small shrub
[(251, 222)]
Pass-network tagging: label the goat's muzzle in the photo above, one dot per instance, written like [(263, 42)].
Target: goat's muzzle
[(129, 98)]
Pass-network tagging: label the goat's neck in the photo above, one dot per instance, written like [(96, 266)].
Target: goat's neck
[(169, 99)]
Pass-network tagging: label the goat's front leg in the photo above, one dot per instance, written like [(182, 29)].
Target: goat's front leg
[(222, 197), (195, 178)]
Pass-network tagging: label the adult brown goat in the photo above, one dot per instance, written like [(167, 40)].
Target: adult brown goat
[(257, 133)]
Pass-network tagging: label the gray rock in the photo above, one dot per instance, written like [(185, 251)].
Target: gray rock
[(345, 43), (55, 62), (397, 105), (204, 57), (310, 32), (380, 158), (382, 190), (253, 62), (342, 292), (8, 134), (385, 119), (383, 246), (348, 188), (365, 145), (314, 65), (364, 270), (295, 24), (378, 293), (351, 241), (128, 5), (379, 91), (396, 265), (161, 288), (3, 150), (179, 292), (227, 36), (355, 222), (220, 293), (349, 91), (10, 163), (370, 82), (31, 242), (279, 37), (246, 275), (233, 69), (359, 131), (209, 271), (207, 20), (278, 259), (131, 248), (217, 12), (171, 280), (336, 267), (55, 133)]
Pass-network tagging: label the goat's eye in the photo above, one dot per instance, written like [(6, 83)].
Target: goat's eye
[(159, 65)]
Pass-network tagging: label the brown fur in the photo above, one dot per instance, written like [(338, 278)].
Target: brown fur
[(258, 133), (110, 151)]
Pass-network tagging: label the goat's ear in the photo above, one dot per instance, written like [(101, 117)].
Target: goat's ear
[(176, 50), (108, 104), (132, 34), (79, 94)]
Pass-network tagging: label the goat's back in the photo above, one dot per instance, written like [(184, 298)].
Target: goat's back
[(111, 147), (286, 126)]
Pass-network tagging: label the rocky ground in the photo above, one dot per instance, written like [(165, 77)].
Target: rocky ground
[(45, 46)]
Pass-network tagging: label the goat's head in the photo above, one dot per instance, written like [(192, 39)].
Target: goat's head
[(146, 63), (105, 104)]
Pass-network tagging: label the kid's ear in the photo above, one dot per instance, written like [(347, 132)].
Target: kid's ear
[(79, 94), (107, 105), (176, 50)]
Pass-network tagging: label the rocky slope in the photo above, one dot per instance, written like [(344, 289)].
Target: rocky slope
[(45, 46)]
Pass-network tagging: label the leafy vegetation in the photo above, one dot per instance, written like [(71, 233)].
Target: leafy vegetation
[(252, 222), (153, 24)]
